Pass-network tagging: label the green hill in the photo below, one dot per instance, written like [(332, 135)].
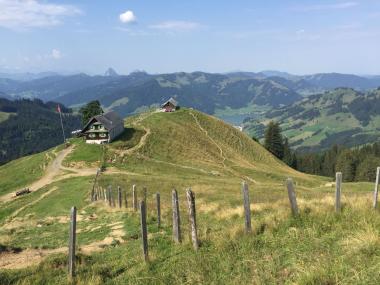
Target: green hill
[(342, 116), (183, 149)]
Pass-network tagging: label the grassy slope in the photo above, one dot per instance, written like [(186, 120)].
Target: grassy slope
[(21, 172), (319, 247), (4, 116)]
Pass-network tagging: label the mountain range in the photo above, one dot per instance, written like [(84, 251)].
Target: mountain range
[(205, 91), (234, 97)]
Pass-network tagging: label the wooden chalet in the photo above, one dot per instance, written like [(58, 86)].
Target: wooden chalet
[(103, 128), (169, 106)]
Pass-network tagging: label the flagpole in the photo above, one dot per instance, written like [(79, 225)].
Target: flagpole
[(63, 131)]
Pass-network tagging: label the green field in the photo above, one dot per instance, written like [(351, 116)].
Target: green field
[(180, 150), (4, 116)]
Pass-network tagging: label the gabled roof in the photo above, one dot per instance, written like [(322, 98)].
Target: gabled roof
[(109, 120), (172, 101)]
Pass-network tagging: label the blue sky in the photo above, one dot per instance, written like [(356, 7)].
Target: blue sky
[(157, 36)]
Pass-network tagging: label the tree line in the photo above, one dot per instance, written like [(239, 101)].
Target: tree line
[(356, 164)]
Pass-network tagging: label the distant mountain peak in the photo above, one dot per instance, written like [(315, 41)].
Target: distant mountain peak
[(111, 72)]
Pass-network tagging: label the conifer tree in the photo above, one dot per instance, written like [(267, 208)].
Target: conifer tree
[(347, 163), (273, 140), (90, 110), (288, 155)]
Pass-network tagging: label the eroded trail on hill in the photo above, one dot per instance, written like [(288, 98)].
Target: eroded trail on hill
[(224, 158), (211, 139)]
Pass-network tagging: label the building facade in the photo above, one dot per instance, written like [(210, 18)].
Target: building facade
[(169, 106), (103, 128)]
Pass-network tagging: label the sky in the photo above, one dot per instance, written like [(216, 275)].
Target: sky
[(163, 36)]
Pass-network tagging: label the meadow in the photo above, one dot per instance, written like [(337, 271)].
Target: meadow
[(181, 150)]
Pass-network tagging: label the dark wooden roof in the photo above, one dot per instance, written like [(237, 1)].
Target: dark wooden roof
[(109, 120), (171, 101)]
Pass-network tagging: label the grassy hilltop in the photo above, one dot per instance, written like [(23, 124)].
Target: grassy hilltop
[(184, 149)]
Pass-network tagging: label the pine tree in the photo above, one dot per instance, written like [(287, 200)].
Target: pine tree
[(288, 155), (273, 140), (91, 109), (346, 163), (366, 170)]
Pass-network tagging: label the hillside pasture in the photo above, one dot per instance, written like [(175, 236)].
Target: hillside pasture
[(180, 150)]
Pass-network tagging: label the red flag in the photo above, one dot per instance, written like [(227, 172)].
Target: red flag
[(58, 109)]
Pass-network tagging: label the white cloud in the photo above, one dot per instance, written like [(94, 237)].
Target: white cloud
[(56, 54), (23, 14), (128, 17), (322, 7), (176, 26), (300, 32)]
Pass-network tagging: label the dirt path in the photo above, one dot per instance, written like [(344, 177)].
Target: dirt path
[(29, 257), (211, 139), (144, 138), (54, 172), (221, 152)]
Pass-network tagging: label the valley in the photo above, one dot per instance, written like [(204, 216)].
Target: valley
[(241, 98)]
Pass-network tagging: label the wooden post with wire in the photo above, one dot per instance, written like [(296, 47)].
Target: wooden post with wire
[(247, 207), (376, 192), (119, 200), (192, 218), (338, 189), (176, 218), (144, 232), (292, 196), (158, 203), (72, 240)]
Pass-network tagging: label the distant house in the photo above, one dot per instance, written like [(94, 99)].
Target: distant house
[(103, 128), (169, 106), (240, 128)]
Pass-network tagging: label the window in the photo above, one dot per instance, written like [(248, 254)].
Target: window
[(103, 135), (92, 135)]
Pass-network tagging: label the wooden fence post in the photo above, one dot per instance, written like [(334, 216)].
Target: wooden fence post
[(338, 185), (158, 202), (119, 200), (192, 217), (376, 188), (292, 196), (72, 239), (134, 197), (109, 194), (247, 207), (176, 218), (144, 230), (126, 199)]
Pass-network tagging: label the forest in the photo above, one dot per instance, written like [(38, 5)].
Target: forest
[(32, 126), (356, 164)]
